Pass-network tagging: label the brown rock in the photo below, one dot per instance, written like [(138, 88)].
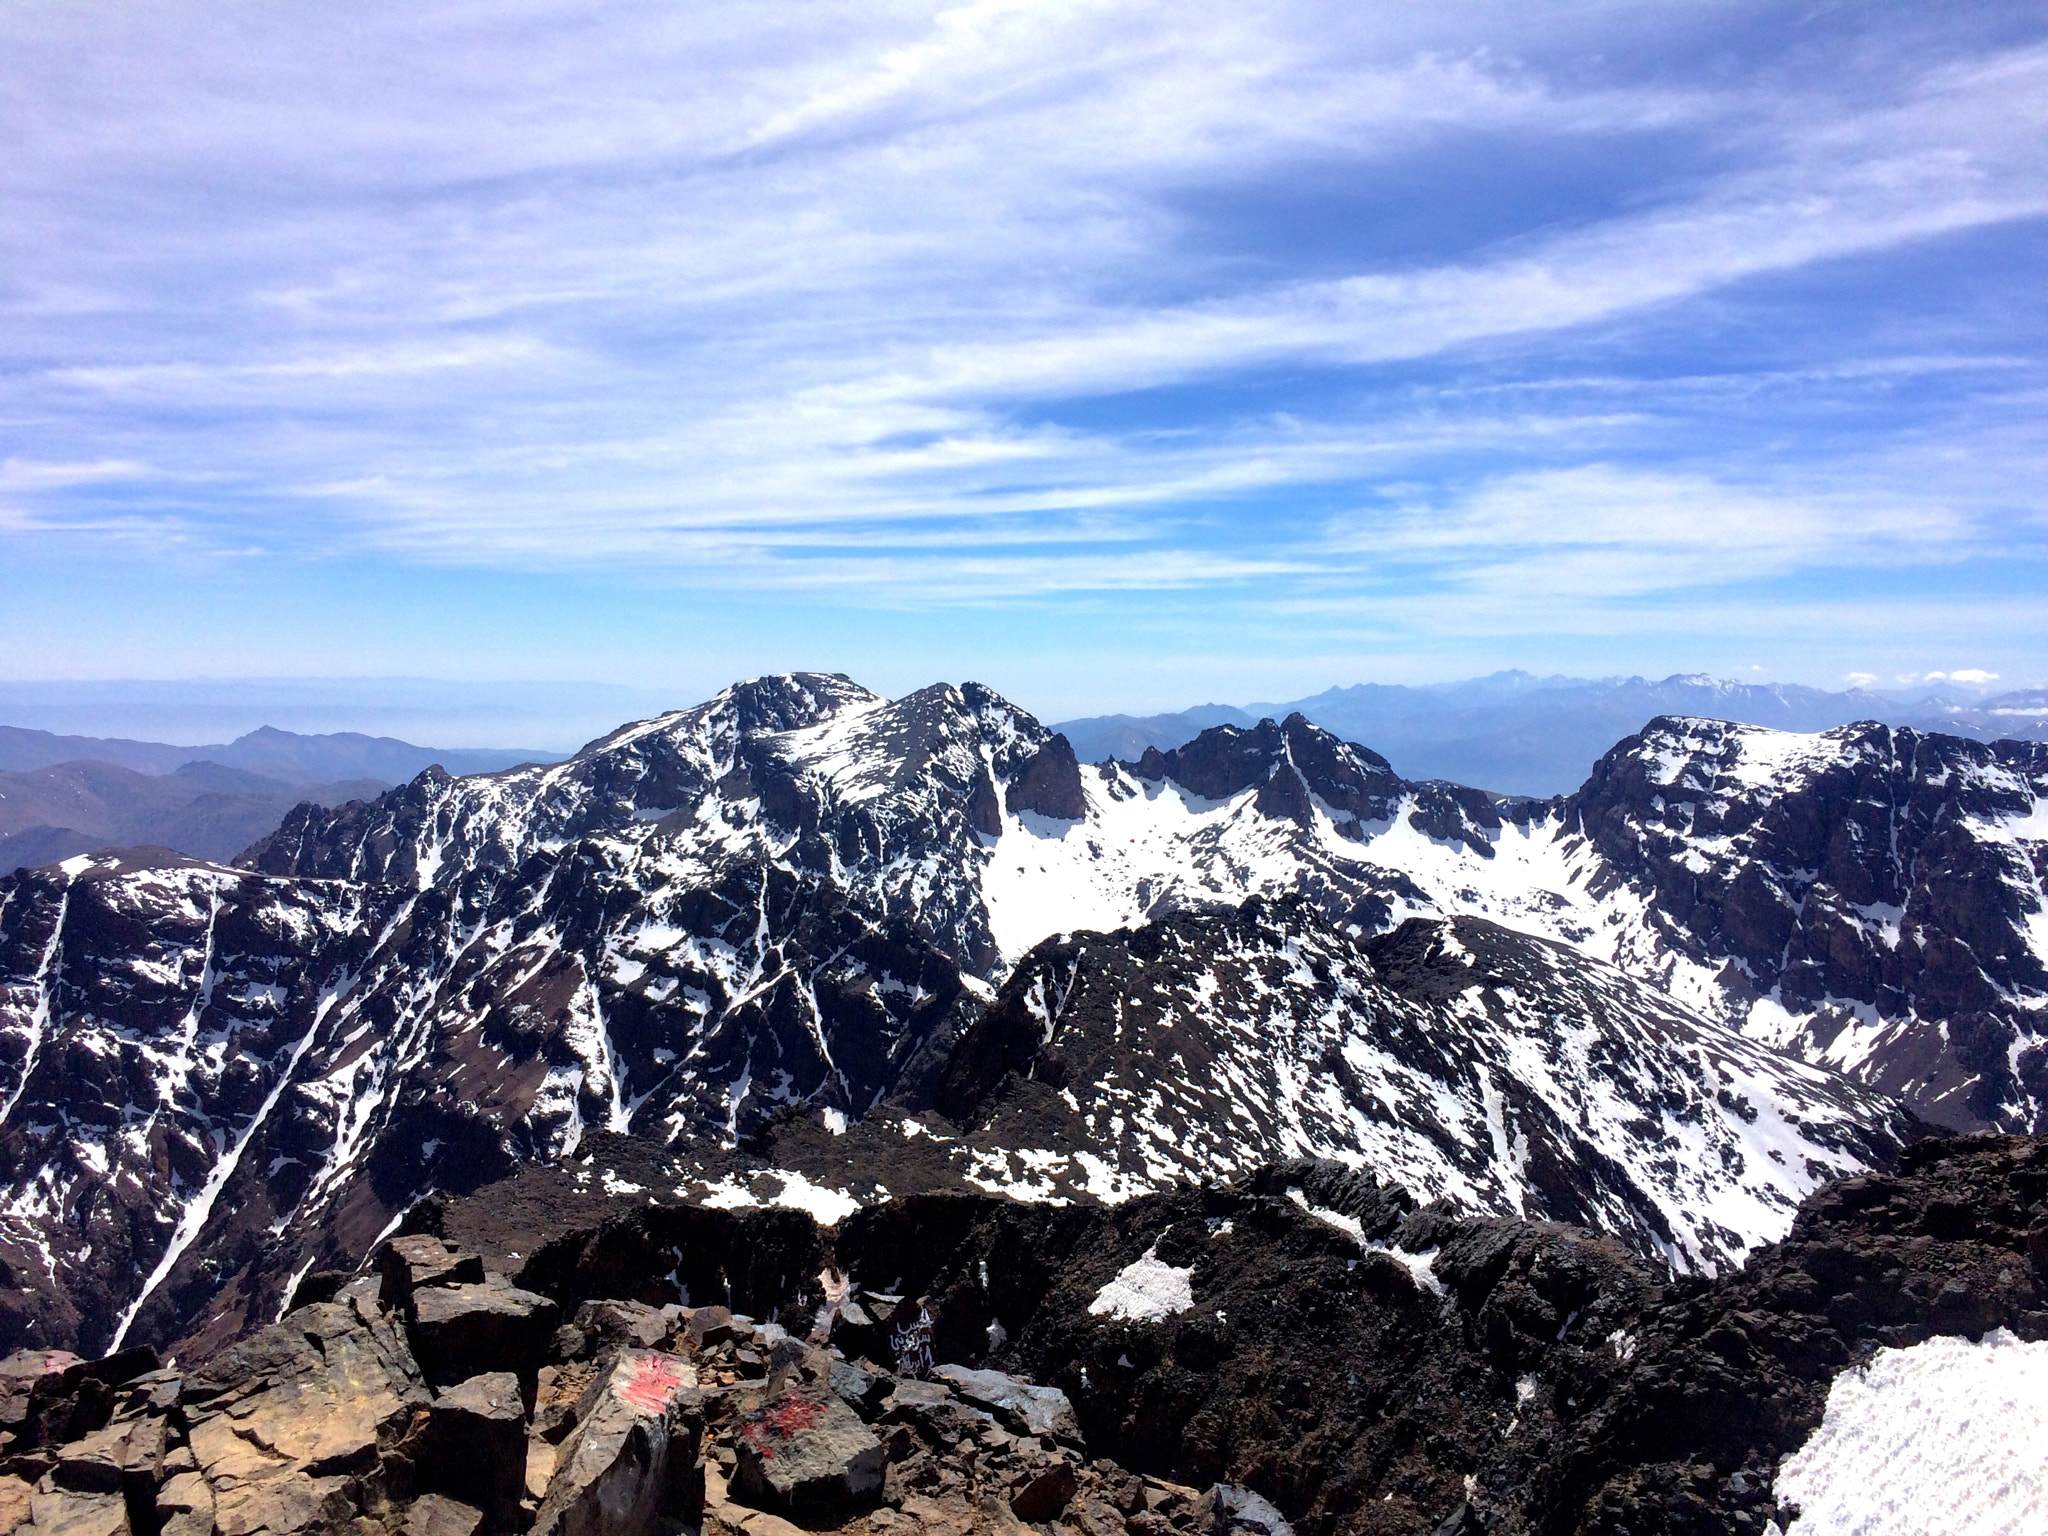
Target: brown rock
[(65, 1513), (1043, 1496), (474, 1447), (434, 1514), (120, 1456), (184, 1506), (628, 1324), (709, 1326), (459, 1330), (1092, 1517), (557, 1391), (285, 1423), (284, 1504), (540, 1468), (15, 1495), (407, 1264)]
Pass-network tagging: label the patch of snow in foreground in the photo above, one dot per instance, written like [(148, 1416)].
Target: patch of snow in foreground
[(1947, 1438), (1147, 1291)]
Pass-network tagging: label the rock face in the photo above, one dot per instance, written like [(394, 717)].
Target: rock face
[(216, 1082), (1843, 895), (474, 1447)]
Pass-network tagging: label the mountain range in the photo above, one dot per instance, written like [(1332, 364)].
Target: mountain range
[(63, 795), (803, 944), (1515, 733)]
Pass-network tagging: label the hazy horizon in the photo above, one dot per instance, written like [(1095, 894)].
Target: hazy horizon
[(555, 716)]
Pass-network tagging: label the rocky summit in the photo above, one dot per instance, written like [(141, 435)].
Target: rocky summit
[(1296, 1350), (432, 1133)]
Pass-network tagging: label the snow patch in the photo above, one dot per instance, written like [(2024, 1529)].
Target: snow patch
[(1148, 1290), (1946, 1438)]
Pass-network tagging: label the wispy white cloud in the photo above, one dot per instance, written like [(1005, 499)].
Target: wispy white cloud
[(996, 302)]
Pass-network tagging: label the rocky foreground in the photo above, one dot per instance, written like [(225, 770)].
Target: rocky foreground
[(1301, 1350)]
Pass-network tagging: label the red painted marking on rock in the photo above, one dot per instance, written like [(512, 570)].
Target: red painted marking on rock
[(785, 1419), (651, 1384)]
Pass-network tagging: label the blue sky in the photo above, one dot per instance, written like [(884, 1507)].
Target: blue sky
[(1118, 355)]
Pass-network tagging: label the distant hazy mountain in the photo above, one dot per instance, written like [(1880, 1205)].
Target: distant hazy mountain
[(62, 795), (205, 810), (1515, 733), (1125, 737), (281, 755)]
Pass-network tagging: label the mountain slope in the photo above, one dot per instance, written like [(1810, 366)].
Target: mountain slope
[(1457, 1060), (1869, 898)]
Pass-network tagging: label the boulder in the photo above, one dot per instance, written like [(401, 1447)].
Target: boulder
[(1043, 1494), (621, 1324), (632, 1454), (474, 1445), (124, 1455), (935, 1411), (1026, 1408), (291, 1425), (558, 1390), (317, 1285), (709, 1326), (407, 1264), (460, 1330), (861, 1387), (806, 1450), (184, 1506), (66, 1513), (15, 1496), (540, 1467), (49, 1397), (434, 1514), (1228, 1511)]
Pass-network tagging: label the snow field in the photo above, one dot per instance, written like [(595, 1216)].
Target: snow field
[(1946, 1438)]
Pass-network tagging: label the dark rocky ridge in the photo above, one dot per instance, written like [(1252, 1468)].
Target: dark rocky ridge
[(1333, 1378), (1364, 1365)]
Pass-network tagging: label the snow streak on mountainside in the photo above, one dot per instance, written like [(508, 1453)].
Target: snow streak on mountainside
[(800, 893), (1467, 1063)]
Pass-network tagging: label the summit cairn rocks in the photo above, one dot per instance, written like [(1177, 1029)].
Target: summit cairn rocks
[(806, 1450), (632, 1455), (424, 1400), (461, 1330), (1024, 1408)]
